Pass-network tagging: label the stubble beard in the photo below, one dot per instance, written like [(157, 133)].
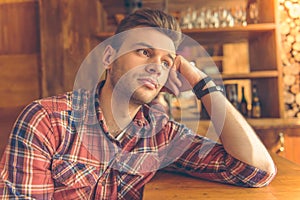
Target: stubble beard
[(135, 94), (128, 89), (138, 97)]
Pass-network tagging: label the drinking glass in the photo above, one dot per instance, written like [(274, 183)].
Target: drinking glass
[(253, 12)]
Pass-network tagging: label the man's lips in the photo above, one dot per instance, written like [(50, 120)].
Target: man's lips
[(149, 83)]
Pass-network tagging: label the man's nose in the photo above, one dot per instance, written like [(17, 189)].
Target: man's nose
[(154, 68)]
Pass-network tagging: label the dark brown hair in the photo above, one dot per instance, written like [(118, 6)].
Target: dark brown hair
[(147, 17)]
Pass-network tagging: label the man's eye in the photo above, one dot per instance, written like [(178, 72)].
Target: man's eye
[(144, 52), (166, 64)]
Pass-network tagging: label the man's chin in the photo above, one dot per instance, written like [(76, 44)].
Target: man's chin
[(144, 96), (141, 100)]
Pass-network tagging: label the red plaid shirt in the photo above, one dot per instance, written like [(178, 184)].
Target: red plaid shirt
[(57, 150)]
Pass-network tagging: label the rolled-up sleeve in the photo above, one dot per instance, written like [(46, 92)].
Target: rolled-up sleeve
[(208, 160)]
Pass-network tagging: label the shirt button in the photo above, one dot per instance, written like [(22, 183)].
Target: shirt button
[(139, 122)]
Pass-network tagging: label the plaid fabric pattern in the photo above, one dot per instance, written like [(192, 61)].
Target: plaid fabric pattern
[(59, 150)]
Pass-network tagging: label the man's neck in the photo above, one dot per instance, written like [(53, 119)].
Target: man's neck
[(117, 113)]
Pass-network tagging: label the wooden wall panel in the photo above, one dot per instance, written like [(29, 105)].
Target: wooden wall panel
[(66, 29), (19, 32), (8, 116), (271, 139), (19, 52), (292, 147), (19, 82), (51, 47)]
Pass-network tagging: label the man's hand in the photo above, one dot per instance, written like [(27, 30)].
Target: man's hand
[(183, 76)]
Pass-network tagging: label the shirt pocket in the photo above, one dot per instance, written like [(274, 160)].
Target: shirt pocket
[(73, 174)]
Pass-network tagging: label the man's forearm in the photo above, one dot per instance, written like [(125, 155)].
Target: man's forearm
[(237, 136)]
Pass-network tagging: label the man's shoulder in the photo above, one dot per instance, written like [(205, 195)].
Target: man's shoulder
[(67, 101), (58, 103)]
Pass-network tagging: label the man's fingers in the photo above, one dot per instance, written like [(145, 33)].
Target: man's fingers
[(173, 88), (174, 78)]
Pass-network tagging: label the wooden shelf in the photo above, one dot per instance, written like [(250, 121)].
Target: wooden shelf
[(217, 35), (229, 34), (251, 75), (257, 124), (274, 123), (249, 28)]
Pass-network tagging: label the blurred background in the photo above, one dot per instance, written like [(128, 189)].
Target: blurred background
[(255, 45)]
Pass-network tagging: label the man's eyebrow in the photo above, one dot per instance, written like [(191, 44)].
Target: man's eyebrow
[(172, 57), (143, 44)]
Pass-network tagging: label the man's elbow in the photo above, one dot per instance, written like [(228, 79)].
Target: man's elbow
[(267, 178), (271, 168)]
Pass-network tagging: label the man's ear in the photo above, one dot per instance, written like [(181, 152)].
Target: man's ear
[(108, 56)]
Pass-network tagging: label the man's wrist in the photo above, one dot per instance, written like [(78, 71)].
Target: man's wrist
[(206, 86)]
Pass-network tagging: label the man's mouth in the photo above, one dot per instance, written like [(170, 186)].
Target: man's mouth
[(149, 83)]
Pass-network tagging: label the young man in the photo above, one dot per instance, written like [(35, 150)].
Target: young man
[(107, 143)]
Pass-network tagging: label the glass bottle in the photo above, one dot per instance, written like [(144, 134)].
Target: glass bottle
[(243, 104), (233, 98), (252, 12), (256, 106)]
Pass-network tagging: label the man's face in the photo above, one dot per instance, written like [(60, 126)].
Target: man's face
[(142, 65)]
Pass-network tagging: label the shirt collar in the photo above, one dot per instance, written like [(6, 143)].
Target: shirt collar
[(139, 119)]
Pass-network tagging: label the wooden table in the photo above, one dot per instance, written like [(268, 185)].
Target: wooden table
[(167, 186)]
